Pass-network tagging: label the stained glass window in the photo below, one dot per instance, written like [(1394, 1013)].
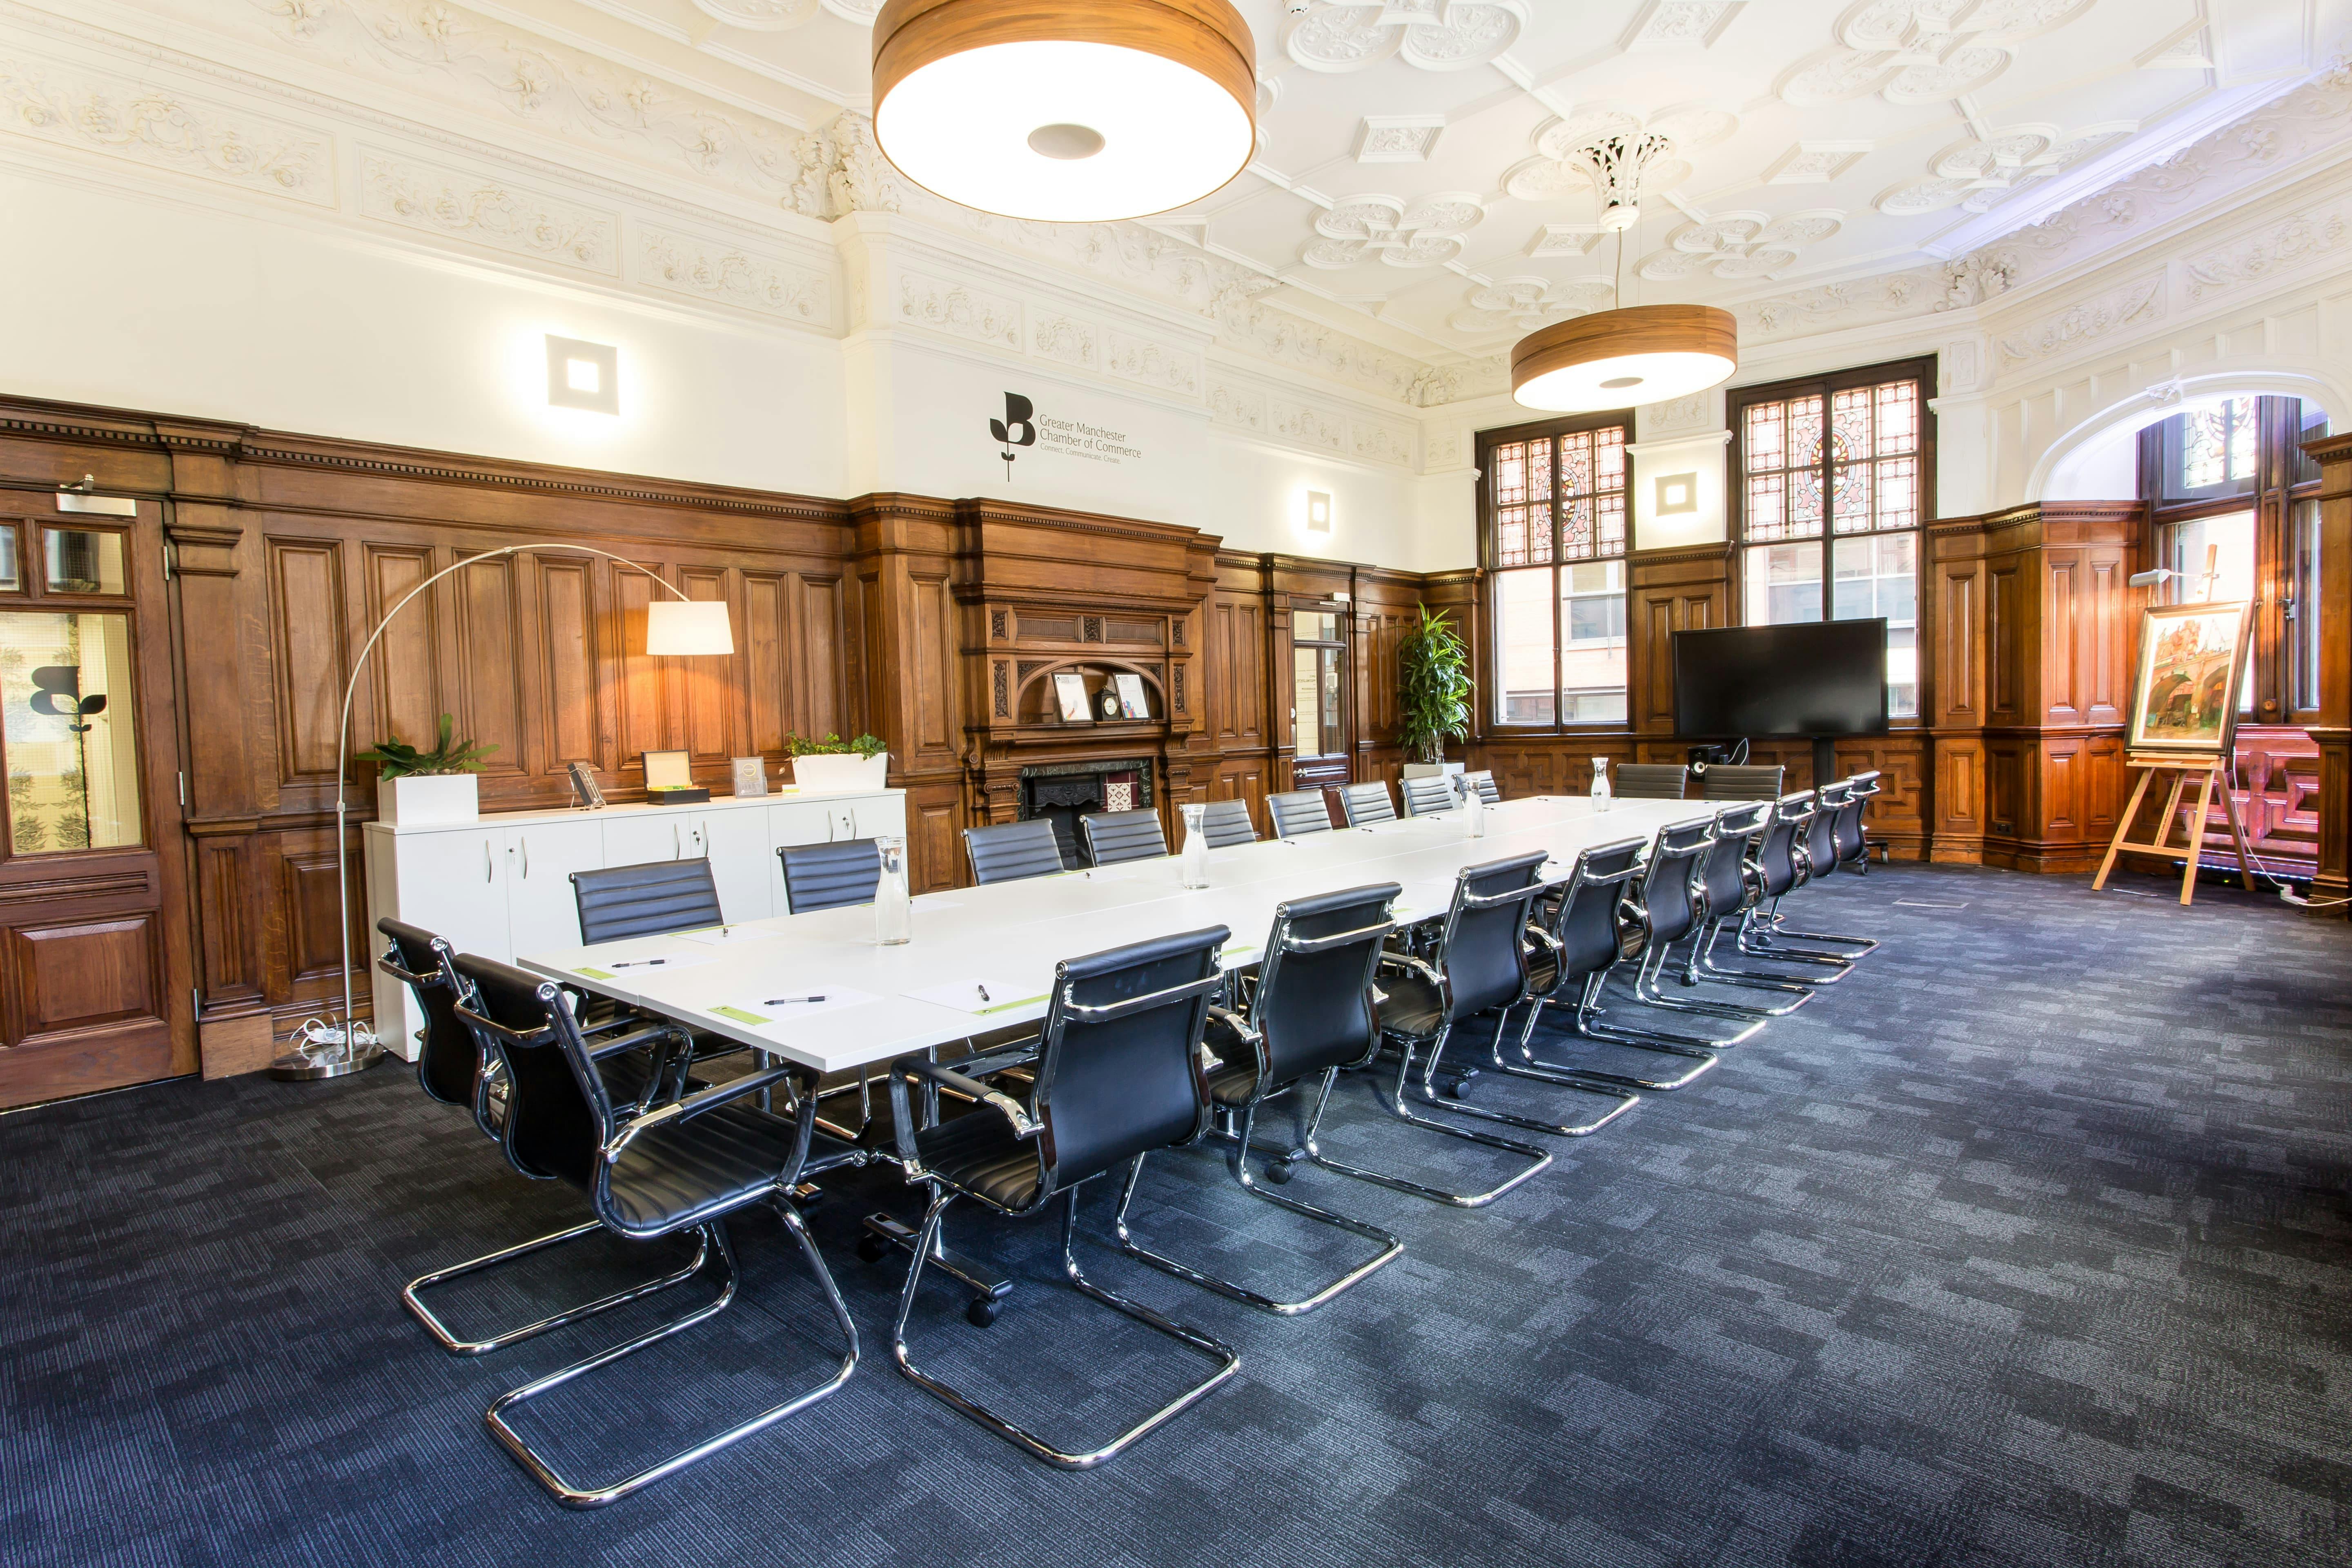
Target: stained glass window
[(1845, 461), (1557, 541)]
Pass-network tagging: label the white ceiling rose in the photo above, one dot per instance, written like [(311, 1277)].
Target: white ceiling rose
[(1520, 305), (1427, 233), (1921, 52), (1740, 244), (1979, 173), (763, 15), (1434, 35), (1564, 161)]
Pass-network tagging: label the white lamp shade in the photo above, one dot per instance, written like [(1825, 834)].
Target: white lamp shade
[(688, 627)]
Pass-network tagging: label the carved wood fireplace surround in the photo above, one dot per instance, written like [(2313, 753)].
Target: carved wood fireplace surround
[(937, 625)]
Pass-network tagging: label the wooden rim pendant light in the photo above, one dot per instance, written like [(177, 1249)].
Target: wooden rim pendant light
[(1065, 110), (1643, 353)]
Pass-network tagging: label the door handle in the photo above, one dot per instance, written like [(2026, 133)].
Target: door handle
[(488, 864), (526, 856), (677, 848)]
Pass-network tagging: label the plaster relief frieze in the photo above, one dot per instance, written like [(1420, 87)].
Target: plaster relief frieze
[(1444, 449), (1157, 365), (759, 16), (470, 61), (841, 170), (1434, 35), (963, 312), (1307, 424), (709, 269), (1375, 442), (460, 205), (139, 122), (2135, 303), (1250, 323), (1236, 407), (860, 13), (1065, 339), (2281, 247)]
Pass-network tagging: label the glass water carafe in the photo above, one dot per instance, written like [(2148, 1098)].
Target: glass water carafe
[(1602, 795), (1194, 866), (1474, 807), (894, 917)]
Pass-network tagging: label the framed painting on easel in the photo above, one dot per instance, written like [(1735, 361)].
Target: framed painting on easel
[(2184, 724)]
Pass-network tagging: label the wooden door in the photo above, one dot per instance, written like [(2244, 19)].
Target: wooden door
[(96, 978)]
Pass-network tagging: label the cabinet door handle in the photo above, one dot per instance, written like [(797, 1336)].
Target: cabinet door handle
[(488, 864), (677, 848), (526, 856)]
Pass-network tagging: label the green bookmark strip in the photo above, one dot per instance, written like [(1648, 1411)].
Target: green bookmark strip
[(1024, 1002), (740, 1016), (595, 974)]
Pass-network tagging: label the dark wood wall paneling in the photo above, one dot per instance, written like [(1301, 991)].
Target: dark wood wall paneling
[(2333, 732)]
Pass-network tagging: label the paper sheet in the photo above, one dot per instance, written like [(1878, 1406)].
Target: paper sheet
[(764, 1012), (639, 968), (720, 936), (982, 994)]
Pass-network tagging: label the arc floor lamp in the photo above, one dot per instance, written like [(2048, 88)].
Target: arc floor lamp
[(673, 627)]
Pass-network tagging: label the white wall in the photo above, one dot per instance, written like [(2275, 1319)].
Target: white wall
[(185, 310)]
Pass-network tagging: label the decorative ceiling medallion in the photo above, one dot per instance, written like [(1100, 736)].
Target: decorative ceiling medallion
[(1816, 162), (1680, 24), (1434, 35), (1568, 149), (1740, 245), (1617, 359), (1921, 52), (1428, 234), (1521, 305), (1065, 110), (1980, 172), (1398, 138), (759, 16)]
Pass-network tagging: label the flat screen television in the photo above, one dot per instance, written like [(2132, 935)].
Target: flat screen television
[(1817, 678)]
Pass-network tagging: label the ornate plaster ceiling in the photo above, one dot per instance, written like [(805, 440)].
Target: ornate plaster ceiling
[(1420, 160)]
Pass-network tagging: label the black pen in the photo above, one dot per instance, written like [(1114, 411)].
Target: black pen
[(636, 963), (983, 992), (787, 1001)]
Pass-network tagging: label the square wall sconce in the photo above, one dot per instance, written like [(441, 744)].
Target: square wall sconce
[(1319, 511), (582, 375), (1677, 493)]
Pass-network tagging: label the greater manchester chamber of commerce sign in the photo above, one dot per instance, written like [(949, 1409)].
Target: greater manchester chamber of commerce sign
[(1024, 429)]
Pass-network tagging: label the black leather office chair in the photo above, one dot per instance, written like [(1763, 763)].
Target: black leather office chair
[(682, 1169), (1298, 811), (1118, 1073), (450, 1066), (1310, 1015), (1112, 837), (1227, 823), (1649, 781), (1483, 783), (1365, 803), (1727, 782), (1669, 904), (1782, 863), (830, 876), (1424, 796), (1012, 851), (659, 896), (1834, 842), (1589, 930), (1731, 884)]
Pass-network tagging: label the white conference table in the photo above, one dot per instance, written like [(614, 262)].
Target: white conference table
[(880, 1003)]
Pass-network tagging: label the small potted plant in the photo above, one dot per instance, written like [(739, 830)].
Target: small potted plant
[(1433, 693), (836, 766), (416, 787)]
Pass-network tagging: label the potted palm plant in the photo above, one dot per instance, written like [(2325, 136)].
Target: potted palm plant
[(437, 786), (836, 766), (1433, 694)]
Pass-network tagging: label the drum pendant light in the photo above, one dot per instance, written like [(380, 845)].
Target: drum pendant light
[(1065, 110), (1643, 353)]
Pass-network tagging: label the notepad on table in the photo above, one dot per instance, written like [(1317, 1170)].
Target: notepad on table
[(639, 968), (790, 1005)]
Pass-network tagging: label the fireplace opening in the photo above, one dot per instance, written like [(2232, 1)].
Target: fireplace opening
[(1063, 792)]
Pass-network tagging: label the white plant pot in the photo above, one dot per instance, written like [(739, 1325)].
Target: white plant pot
[(1433, 770), (428, 799), (841, 773)]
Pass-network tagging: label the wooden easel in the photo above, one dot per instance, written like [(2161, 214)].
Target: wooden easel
[(2210, 772)]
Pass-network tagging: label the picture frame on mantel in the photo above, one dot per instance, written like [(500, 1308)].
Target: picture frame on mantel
[(1132, 697), (1070, 698)]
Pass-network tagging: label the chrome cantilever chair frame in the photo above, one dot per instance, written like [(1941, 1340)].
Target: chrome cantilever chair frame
[(1631, 939), (1731, 881), (488, 1070), (1033, 1122), (1673, 854), (1847, 848), (612, 1137), (1785, 842), (1234, 1124)]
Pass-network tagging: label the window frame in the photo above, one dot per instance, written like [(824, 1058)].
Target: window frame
[(1335, 644), (1490, 571), (2283, 481), (1922, 371)]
